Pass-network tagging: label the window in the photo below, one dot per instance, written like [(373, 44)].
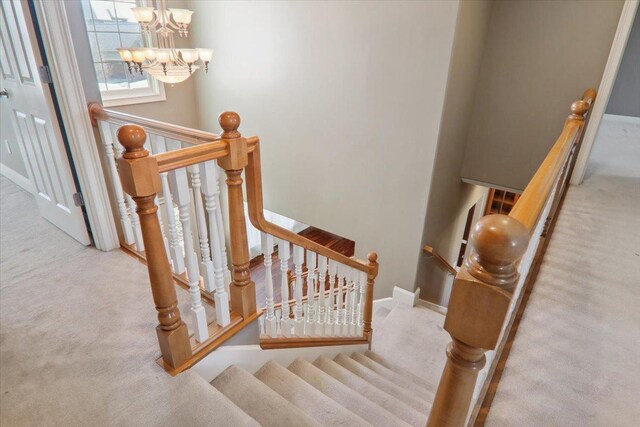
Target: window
[(111, 25)]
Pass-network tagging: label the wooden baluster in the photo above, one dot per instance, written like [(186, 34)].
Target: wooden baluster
[(362, 279), (140, 179), (372, 257), (131, 208), (206, 264), (221, 236), (243, 290), (479, 303), (322, 308), (267, 251), (116, 185), (180, 189), (332, 313), (298, 311), (209, 188), (159, 145), (311, 294), (284, 252)]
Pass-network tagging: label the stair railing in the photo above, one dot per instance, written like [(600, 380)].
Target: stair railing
[(332, 302), (488, 289)]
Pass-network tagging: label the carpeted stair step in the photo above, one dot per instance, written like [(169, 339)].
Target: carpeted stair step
[(306, 397), (359, 385), (401, 371), (334, 389), (379, 316), (382, 383), (428, 342), (394, 377), (259, 401)]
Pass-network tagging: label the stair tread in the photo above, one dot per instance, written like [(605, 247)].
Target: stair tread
[(379, 316), (375, 395), (259, 401), (334, 389), (382, 383), (306, 397), (416, 328), (401, 371), (393, 376)]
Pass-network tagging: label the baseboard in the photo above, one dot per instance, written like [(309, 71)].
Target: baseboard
[(622, 119), (431, 306), (17, 178)]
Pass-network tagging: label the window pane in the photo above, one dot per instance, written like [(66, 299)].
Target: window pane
[(138, 81), (116, 76), (108, 43), (100, 75), (95, 50), (104, 15), (132, 40)]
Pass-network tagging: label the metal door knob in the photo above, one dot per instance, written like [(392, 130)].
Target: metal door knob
[(4, 93)]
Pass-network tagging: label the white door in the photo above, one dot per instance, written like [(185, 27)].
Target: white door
[(35, 123)]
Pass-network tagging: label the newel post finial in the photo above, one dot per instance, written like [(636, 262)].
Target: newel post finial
[(498, 242), (579, 109), (132, 138), (229, 122)]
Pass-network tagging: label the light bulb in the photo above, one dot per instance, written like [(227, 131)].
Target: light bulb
[(125, 55), (205, 54), (150, 54), (189, 55), (143, 14), (181, 16), (138, 55), (163, 56)]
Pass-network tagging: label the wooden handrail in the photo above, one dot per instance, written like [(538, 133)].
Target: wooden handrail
[(253, 175), (443, 262), (480, 301), (168, 130), (529, 206)]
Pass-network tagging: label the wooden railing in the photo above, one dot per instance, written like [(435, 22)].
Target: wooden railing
[(488, 290), (184, 180)]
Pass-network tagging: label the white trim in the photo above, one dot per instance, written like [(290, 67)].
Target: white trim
[(490, 185), (635, 121), (433, 307), (56, 37), (17, 178), (606, 86), (130, 98)]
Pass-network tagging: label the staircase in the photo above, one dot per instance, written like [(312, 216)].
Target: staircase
[(392, 385)]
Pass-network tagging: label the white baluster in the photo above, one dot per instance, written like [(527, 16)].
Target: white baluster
[(159, 145), (362, 278), (284, 252), (267, 251), (322, 308), (180, 189), (298, 312), (340, 311), (332, 314), (221, 236), (116, 184), (311, 294), (206, 265), (131, 207), (347, 302), (221, 297), (355, 288)]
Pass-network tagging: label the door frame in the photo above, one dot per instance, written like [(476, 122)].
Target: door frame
[(604, 90), (56, 37)]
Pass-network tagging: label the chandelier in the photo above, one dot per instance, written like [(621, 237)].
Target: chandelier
[(165, 63)]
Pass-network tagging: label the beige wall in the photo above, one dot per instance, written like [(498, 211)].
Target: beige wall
[(450, 198), (539, 57), (347, 99)]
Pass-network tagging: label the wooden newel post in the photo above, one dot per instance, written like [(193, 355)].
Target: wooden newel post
[(140, 179), (478, 306), (368, 307), (242, 290)]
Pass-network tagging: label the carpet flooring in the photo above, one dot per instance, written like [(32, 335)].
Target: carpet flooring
[(574, 359)]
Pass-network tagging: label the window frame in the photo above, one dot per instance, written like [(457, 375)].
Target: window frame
[(155, 92)]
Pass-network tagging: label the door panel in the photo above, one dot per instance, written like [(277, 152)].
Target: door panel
[(35, 123)]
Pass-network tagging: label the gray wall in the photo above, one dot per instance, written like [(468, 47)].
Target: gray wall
[(539, 57), (450, 198), (625, 96), (347, 99)]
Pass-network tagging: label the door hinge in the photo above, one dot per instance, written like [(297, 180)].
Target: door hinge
[(78, 200), (45, 74)]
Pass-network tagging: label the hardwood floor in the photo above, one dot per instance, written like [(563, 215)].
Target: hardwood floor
[(258, 272)]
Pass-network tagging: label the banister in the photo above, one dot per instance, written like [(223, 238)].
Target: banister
[(481, 299), (253, 176), (181, 133), (443, 262)]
